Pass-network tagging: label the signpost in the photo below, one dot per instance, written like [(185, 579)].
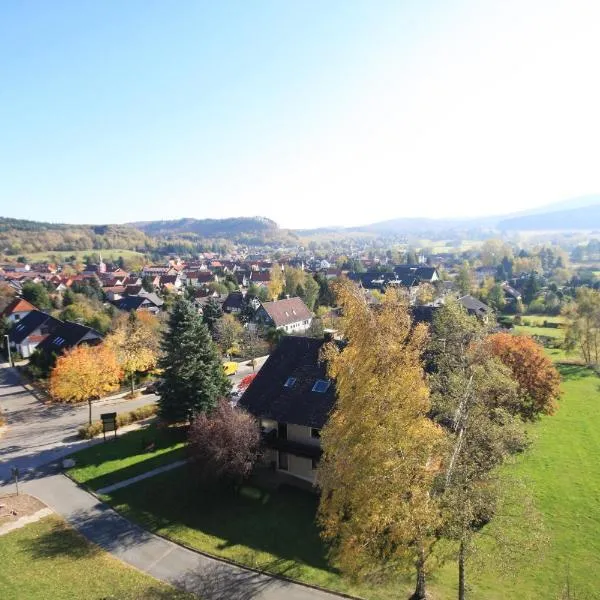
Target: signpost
[(109, 423)]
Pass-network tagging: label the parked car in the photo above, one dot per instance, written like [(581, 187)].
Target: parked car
[(151, 388)]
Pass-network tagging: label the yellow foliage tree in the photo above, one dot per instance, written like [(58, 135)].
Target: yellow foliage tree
[(277, 283), (135, 342), (84, 374), (380, 451)]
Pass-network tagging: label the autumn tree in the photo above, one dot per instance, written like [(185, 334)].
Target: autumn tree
[(475, 398), (380, 451), (536, 376), (135, 342), (583, 325), (227, 332), (277, 282), (193, 378), (223, 445), (7, 295), (252, 345), (85, 373), (464, 280)]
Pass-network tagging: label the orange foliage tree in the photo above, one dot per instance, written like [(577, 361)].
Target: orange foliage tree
[(536, 376), (84, 374)]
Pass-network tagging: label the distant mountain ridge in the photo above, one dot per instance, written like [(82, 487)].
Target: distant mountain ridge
[(576, 219)]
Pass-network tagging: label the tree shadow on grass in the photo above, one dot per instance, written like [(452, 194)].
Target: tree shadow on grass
[(242, 525), (573, 372), (60, 540), (220, 581)]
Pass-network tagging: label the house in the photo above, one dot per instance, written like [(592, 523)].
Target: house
[(199, 278), (69, 335), (237, 301), (18, 309), (423, 273), (291, 315), (260, 278), (510, 294), (172, 282), (476, 307), (291, 396), (25, 334), (146, 303)]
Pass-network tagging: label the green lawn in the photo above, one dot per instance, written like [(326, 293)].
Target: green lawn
[(116, 460), (563, 468), (273, 531), (49, 560), (558, 334)]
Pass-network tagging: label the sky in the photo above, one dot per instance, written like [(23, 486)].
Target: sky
[(311, 113)]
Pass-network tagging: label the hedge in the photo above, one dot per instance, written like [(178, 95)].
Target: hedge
[(88, 432)]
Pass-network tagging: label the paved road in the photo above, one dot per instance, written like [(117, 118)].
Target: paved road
[(39, 433)]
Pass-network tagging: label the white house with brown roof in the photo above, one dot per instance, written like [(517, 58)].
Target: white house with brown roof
[(18, 309), (291, 315)]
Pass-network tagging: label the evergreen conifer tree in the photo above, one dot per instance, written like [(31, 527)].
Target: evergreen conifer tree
[(193, 378)]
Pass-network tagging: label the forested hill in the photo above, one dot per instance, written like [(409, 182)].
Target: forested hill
[(18, 236), (207, 227), (255, 230)]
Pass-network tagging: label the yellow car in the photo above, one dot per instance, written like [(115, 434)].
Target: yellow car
[(230, 368)]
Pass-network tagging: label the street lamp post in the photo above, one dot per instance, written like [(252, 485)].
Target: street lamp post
[(10, 363)]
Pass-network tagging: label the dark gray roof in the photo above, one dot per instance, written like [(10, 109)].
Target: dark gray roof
[(235, 300), (68, 335), (474, 306), (421, 272), (129, 303), (268, 398), (27, 325)]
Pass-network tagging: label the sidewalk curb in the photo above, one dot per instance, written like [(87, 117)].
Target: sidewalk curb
[(221, 559)]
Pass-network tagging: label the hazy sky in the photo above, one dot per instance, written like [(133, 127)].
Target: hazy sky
[(310, 113)]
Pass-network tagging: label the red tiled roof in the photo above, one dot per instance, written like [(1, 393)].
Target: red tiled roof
[(18, 305)]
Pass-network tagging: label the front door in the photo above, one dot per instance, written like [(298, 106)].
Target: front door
[(283, 461)]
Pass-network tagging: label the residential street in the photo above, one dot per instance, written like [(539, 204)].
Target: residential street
[(40, 433)]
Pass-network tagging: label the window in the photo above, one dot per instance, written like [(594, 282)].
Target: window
[(282, 431), (321, 386), (290, 382), (315, 433)]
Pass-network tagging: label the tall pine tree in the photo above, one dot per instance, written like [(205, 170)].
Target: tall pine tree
[(193, 378)]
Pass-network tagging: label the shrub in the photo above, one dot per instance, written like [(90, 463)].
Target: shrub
[(223, 445), (88, 432)]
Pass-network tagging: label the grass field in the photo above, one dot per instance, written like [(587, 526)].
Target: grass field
[(107, 255), (563, 468), (120, 459), (49, 560)]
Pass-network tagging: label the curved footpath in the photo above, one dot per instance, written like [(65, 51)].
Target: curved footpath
[(210, 578)]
